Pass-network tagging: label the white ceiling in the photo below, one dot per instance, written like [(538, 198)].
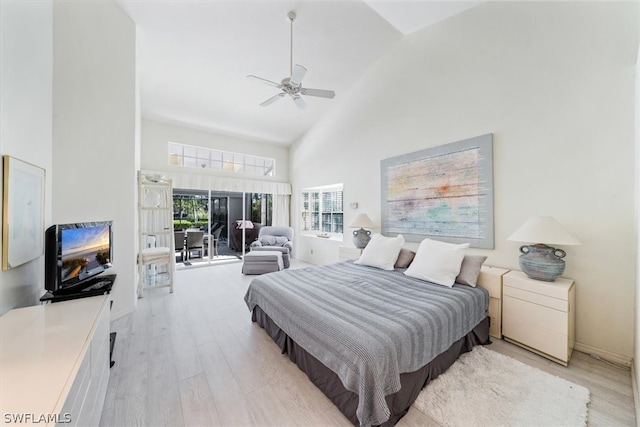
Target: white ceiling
[(194, 56)]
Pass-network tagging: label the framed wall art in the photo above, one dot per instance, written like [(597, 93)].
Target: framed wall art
[(22, 212), (444, 193)]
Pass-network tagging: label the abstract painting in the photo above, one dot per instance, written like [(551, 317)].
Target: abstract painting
[(444, 193), (22, 212)]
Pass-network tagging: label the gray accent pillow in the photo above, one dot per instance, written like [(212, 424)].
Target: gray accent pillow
[(281, 240), (404, 258), (470, 269), (268, 240)]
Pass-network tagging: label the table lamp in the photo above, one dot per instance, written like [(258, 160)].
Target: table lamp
[(540, 261), (361, 237)]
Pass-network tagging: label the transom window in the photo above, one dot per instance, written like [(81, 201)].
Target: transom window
[(322, 209), (224, 161)]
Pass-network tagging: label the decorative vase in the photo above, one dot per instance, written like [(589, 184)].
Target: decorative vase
[(542, 262), (361, 238)]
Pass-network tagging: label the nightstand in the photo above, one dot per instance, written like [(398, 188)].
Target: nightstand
[(539, 316), (346, 253), (491, 279)]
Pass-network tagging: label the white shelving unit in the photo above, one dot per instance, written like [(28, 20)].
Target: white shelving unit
[(156, 256)]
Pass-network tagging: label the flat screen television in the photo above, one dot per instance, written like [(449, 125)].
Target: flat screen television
[(74, 253)]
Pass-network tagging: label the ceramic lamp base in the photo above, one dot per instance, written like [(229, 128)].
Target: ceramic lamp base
[(542, 262), (361, 238)]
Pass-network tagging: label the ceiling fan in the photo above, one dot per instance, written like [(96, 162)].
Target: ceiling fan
[(292, 85)]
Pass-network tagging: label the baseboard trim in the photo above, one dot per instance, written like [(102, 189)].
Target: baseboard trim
[(603, 354), (634, 388)]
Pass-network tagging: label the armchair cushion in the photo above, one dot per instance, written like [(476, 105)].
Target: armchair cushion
[(271, 241)]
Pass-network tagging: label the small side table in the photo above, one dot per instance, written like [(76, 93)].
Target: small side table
[(539, 316), (491, 279), (346, 253)]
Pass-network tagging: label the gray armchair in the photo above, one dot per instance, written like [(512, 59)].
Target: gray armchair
[(275, 239)]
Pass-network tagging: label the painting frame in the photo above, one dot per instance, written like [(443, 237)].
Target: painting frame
[(23, 198), (443, 192)]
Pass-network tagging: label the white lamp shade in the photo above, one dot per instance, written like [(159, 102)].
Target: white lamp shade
[(243, 224), (543, 229), (361, 221)]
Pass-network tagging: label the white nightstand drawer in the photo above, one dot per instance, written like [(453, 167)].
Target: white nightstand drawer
[(538, 315), (544, 340), (544, 300), (557, 289)]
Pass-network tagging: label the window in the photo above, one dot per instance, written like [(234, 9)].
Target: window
[(322, 209), (190, 210), (218, 160), (261, 208)]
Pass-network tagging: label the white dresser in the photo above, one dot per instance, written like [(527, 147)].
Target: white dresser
[(539, 315), (54, 362)]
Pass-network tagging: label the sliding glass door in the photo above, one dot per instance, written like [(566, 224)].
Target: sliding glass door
[(224, 215)]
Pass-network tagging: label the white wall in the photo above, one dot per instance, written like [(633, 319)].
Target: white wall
[(26, 58), (554, 83), (156, 135), (94, 129)]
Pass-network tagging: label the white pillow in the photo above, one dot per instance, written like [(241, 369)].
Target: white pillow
[(381, 252), (437, 262)]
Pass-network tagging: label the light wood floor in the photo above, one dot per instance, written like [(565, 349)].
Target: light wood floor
[(194, 358)]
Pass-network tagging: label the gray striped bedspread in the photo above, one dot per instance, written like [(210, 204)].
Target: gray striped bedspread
[(367, 325)]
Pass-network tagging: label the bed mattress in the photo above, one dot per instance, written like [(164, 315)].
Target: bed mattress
[(366, 325)]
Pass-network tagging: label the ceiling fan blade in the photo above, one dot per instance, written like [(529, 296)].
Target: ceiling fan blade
[(300, 102), (272, 99), (269, 82), (317, 92), (297, 74)]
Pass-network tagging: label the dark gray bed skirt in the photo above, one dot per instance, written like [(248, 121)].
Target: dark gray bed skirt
[(412, 383)]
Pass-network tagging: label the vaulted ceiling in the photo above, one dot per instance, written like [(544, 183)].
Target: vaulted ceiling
[(194, 57)]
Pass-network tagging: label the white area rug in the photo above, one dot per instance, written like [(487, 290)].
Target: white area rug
[(485, 388)]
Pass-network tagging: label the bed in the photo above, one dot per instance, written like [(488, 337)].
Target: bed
[(370, 339)]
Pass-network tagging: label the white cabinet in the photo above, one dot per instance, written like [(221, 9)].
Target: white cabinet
[(540, 315), (491, 278), (345, 253), (54, 361)]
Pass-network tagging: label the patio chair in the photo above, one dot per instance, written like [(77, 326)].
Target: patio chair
[(195, 242), (178, 237), (215, 238)]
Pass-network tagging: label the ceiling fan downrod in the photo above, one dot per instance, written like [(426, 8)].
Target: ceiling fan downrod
[(292, 85), (291, 16)]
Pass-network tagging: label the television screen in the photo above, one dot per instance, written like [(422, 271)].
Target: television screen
[(74, 253), (84, 252)]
